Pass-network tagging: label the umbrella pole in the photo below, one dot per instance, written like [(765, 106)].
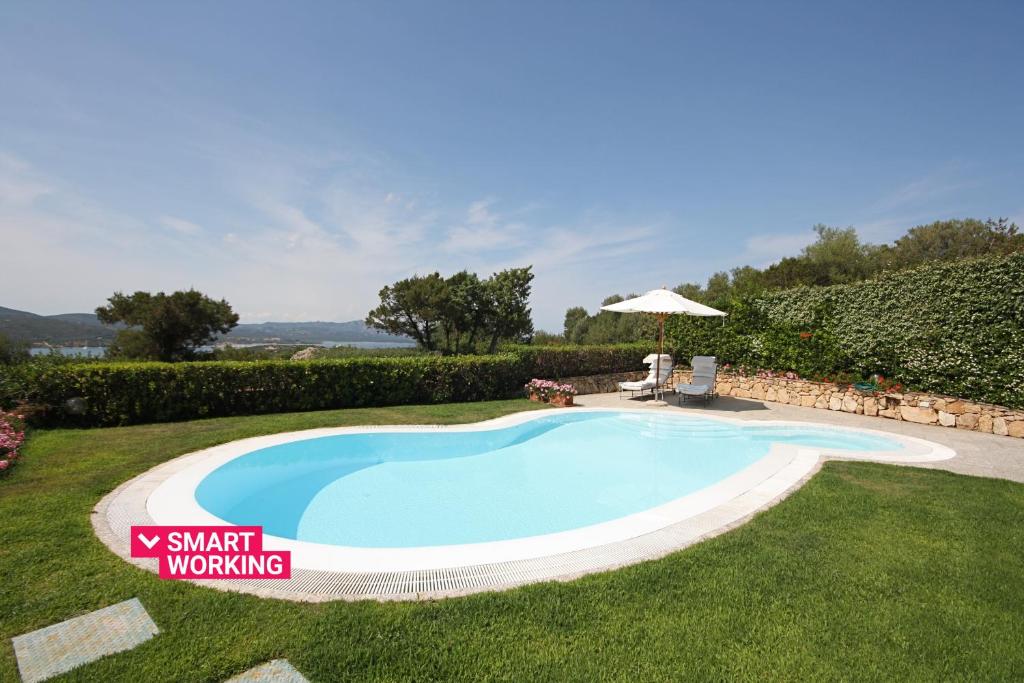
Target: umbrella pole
[(661, 346)]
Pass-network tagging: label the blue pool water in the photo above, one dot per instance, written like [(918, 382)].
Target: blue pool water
[(554, 473)]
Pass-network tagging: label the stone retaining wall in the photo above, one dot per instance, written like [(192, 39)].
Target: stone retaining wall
[(945, 411), (602, 384)]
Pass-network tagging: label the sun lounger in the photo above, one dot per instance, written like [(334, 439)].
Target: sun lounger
[(702, 384), (656, 378)]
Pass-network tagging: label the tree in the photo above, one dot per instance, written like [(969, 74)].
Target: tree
[(12, 351), (133, 343), (608, 327), (467, 309), (747, 281), (573, 316), (165, 327), (836, 257), (542, 338), (690, 290), (413, 307), (839, 257), (603, 327), (510, 306), (948, 240), (457, 314), (718, 289)]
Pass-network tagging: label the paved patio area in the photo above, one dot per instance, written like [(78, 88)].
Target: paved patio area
[(983, 455)]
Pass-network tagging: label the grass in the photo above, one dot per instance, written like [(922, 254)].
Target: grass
[(867, 572)]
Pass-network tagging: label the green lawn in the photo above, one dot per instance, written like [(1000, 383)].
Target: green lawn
[(868, 572)]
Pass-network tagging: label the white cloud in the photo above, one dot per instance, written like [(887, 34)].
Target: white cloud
[(20, 185), (924, 196), (296, 244), (483, 230), (480, 214), (937, 195), (763, 250), (180, 225)]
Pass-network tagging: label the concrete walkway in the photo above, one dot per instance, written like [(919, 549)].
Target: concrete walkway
[(982, 455)]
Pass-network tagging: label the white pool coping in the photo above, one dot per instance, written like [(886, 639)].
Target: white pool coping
[(166, 495)]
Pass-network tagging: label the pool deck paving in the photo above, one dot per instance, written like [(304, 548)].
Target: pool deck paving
[(59, 648), (977, 454)]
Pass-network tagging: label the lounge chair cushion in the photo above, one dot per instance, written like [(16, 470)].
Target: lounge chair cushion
[(637, 386), (692, 389)]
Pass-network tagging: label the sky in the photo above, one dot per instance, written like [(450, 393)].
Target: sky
[(295, 157)]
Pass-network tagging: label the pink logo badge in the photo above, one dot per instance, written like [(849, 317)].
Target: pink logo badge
[(210, 552)]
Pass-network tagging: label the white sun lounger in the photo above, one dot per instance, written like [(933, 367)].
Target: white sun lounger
[(653, 380), (702, 384)]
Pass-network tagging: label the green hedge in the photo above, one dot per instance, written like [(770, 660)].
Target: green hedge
[(570, 360), (954, 328), (131, 393)]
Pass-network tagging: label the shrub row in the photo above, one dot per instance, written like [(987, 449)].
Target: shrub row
[(558, 362), (952, 328), (101, 394)]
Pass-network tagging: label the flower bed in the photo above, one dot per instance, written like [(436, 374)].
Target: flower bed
[(548, 391), (12, 435)]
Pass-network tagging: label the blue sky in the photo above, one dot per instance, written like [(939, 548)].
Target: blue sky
[(296, 157)]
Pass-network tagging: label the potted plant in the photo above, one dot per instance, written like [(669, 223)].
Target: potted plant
[(539, 390), (547, 391), (561, 395)]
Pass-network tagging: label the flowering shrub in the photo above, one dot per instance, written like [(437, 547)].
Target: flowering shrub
[(954, 328), (876, 384), (760, 373), (546, 389), (768, 374), (12, 435)]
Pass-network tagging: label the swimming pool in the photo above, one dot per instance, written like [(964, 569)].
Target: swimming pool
[(552, 474), (405, 512)]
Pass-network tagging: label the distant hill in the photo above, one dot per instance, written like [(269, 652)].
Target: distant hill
[(309, 333), (78, 329), (84, 329)]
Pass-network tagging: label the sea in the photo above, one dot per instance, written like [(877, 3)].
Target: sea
[(100, 351)]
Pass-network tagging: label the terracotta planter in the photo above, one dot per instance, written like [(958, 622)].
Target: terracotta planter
[(535, 397), (561, 401)]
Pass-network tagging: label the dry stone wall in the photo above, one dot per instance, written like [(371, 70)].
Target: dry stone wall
[(943, 411), (602, 384)]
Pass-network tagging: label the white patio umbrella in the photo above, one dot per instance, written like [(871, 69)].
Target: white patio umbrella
[(662, 303)]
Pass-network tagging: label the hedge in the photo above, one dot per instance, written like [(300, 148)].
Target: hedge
[(954, 328), (101, 394), (571, 360)]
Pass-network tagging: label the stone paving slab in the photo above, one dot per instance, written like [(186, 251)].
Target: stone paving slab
[(274, 671), (61, 647)]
